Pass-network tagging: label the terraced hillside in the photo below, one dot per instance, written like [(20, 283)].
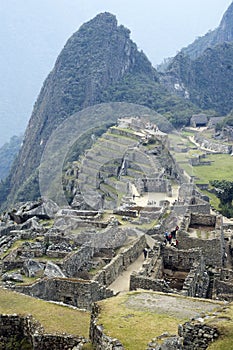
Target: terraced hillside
[(120, 164)]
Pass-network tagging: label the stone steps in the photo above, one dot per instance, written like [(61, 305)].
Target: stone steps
[(120, 186), (101, 164)]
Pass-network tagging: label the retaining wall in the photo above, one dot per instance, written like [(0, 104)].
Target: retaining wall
[(25, 332), (79, 293), (127, 256)]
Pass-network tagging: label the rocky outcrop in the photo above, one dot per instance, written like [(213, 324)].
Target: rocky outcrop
[(223, 33), (202, 72)]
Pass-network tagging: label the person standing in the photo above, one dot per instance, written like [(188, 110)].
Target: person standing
[(145, 252)]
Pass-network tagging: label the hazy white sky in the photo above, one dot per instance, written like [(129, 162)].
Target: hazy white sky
[(33, 32), (159, 27)]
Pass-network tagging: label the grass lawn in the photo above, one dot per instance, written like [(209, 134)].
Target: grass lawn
[(53, 317), (225, 326), (221, 168), (135, 324), (133, 328)]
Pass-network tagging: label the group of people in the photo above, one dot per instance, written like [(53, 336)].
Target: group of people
[(170, 237)]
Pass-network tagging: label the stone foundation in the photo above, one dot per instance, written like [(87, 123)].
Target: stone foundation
[(127, 256), (79, 293), (212, 248), (197, 335), (78, 261), (151, 276), (25, 332)]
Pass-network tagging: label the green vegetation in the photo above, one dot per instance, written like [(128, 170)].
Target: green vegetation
[(54, 318), (224, 323), (134, 328), (224, 191), (140, 88), (135, 323), (221, 168), (8, 153), (211, 87), (85, 141)]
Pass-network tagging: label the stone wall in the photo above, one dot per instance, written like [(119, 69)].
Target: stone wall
[(180, 259), (150, 215), (79, 293), (148, 283), (212, 145), (223, 290), (18, 331), (197, 282), (119, 263), (98, 338), (111, 271), (212, 248), (193, 335), (152, 185), (153, 265), (193, 208), (11, 265), (5, 230), (126, 212), (197, 335), (204, 220), (57, 342), (77, 261), (151, 275)]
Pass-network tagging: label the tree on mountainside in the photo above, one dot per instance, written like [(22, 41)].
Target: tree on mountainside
[(224, 191)]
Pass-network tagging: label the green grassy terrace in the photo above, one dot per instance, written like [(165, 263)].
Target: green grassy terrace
[(53, 317), (135, 319)]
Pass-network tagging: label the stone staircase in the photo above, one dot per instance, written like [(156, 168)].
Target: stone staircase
[(98, 173), (106, 170)]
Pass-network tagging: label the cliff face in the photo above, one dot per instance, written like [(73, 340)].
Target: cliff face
[(203, 72), (207, 80), (223, 33)]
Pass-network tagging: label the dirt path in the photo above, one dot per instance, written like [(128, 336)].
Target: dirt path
[(121, 284), (191, 138)]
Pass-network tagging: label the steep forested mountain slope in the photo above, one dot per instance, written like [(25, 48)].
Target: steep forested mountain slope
[(202, 73), (208, 80), (8, 153), (99, 63)]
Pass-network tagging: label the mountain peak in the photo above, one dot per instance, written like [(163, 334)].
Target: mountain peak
[(223, 33), (226, 25), (95, 58)]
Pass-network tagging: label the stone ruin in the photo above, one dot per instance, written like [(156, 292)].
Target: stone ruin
[(30, 334), (135, 153), (76, 253), (172, 270)]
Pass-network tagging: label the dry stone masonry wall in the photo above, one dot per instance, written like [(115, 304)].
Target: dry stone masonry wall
[(25, 332)]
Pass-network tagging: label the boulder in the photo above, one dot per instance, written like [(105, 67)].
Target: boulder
[(14, 277), (52, 270), (33, 268)]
